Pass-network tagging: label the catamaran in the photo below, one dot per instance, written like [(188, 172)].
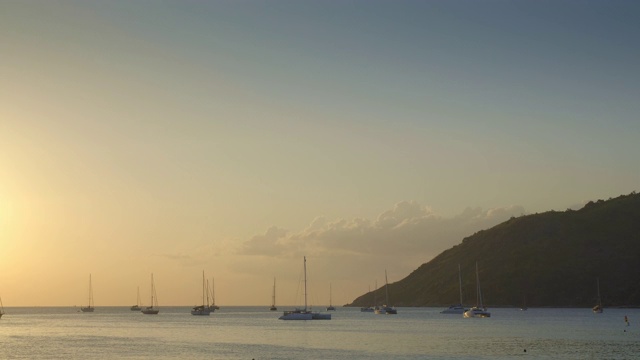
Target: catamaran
[(153, 309), (89, 308), (479, 310), (456, 308), (203, 309), (304, 313)]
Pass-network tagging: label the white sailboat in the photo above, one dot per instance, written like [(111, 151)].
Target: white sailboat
[(203, 309), (153, 309), (456, 308), (304, 314), (479, 310), (598, 308), (137, 307), (330, 307), (89, 308), (386, 309), (273, 297)]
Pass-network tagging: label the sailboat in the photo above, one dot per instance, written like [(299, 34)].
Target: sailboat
[(304, 314), (89, 308), (479, 310), (330, 307), (273, 297), (137, 307), (203, 309), (153, 309), (386, 309), (1, 308), (213, 305), (598, 308), (368, 308), (456, 308)]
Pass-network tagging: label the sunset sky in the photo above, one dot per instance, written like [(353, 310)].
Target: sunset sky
[(234, 137)]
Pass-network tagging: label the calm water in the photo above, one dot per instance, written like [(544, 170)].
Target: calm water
[(256, 333)]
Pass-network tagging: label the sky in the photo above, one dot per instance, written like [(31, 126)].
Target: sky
[(236, 137)]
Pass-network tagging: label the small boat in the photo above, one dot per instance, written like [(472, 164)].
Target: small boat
[(456, 308), (273, 297), (369, 308), (330, 307), (213, 305), (479, 310), (89, 308), (304, 313), (1, 308), (524, 304), (598, 308), (153, 309), (385, 309), (137, 307), (203, 309)]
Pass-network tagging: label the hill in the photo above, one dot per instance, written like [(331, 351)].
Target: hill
[(552, 259)]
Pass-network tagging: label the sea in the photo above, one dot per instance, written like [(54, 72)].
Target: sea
[(256, 333)]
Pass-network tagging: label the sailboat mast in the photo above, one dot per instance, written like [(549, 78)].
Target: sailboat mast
[(460, 282), (203, 288), (152, 290), (273, 297), (386, 287), (90, 292), (305, 283)]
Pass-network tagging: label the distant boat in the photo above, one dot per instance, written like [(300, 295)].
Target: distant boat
[(273, 297), (598, 308), (479, 310), (386, 309), (91, 307), (153, 309), (369, 308), (330, 307), (203, 309), (1, 308), (304, 314), (457, 308), (137, 307), (524, 304), (213, 305)]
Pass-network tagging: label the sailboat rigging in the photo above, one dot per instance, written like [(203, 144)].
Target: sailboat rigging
[(598, 308), (89, 308), (386, 309), (330, 307), (273, 297), (203, 309), (137, 307), (153, 309), (456, 308), (479, 310), (304, 314)]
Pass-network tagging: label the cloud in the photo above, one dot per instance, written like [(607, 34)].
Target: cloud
[(408, 229)]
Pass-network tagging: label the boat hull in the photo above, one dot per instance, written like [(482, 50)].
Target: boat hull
[(454, 309), (200, 310), (136, 308), (477, 313), (87, 309), (150, 311), (296, 316)]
